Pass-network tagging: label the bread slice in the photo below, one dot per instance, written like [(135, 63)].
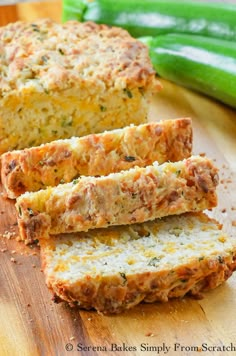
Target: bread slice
[(71, 79), (136, 195), (98, 154), (116, 268)]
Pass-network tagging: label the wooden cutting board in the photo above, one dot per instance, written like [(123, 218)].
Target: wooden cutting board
[(31, 324)]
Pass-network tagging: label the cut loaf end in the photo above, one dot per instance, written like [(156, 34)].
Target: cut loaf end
[(72, 79)]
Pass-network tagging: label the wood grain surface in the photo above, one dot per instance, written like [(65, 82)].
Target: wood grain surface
[(31, 324)]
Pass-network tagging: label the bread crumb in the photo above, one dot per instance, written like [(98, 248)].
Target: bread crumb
[(72, 338), (8, 235), (3, 250), (234, 223), (223, 210), (13, 260), (149, 334)]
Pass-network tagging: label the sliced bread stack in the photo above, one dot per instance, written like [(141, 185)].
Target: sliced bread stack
[(133, 232), (98, 204)]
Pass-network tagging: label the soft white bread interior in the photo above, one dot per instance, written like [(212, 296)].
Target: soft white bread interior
[(116, 268)]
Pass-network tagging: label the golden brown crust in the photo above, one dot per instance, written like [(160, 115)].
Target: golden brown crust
[(57, 56), (64, 160)]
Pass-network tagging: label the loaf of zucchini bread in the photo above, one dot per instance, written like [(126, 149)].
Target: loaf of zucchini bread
[(116, 268), (127, 197), (36, 168), (71, 79)]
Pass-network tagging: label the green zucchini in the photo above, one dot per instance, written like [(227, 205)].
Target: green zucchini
[(206, 65), (155, 17)]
